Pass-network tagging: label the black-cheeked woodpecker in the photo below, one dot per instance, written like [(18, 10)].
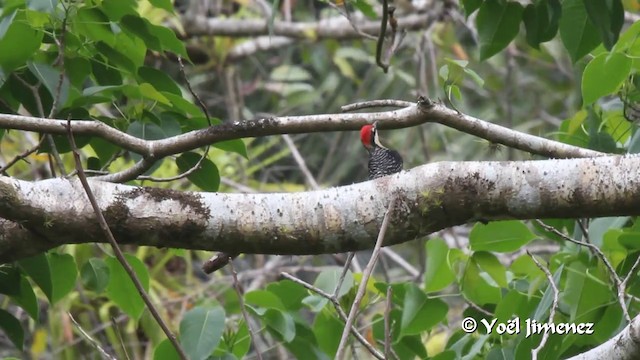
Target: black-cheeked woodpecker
[(382, 161)]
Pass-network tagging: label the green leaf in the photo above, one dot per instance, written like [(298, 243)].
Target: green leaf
[(149, 92), (200, 331), (168, 39), (116, 9), (181, 105), (264, 299), (77, 69), (206, 177), (165, 351), (117, 58), (604, 75), (280, 323), (64, 273), (498, 23), (578, 34), (541, 21), (470, 6), (9, 281), (37, 267), (139, 27), (365, 7), (27, 299), (18, 41), (327, 329), (420, 313), (438, 274), (163, 4), (475, 286), (93, 23), (290, 294), (159, 80), (12, 328), (489, 264), (121, 289), (608, 17), (95, 275), (236, 145), (500, 236), (50, 77)]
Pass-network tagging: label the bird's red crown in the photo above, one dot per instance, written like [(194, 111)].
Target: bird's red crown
[(366, 135)]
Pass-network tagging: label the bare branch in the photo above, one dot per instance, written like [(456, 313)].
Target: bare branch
[(339, 219), (552, 311), (116, 248)]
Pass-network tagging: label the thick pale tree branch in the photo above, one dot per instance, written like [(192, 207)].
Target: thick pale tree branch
[(624, 346), (431, 197)]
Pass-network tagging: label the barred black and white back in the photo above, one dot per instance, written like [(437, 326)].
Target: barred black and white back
[(383, 161)]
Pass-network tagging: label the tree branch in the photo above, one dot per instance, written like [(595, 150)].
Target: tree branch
[(341, 219)]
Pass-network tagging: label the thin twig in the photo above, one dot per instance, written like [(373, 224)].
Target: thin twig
[(552, 311), (387, 322), (245, 315), (375, 103), (339, 311), (21, 156), (365, 278), (345, 268), (300, 162), (91, 340), (620, 286), (116, 248), (383, 33)]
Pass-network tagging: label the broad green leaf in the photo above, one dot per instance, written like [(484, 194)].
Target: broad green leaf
[(475, 286), (365, 7), (63, 275), (139, 27), (12, 328), (281, 323), (578, 34), (116, 9), (585, 293), (264, 299), (93, 23), (9, 281), (37, 267), (327, 329), (290, 293), (541, 21), (149, 92), (159, 80), (607, 16), (104, 74), (488, 263), (77, 70), (27, 299), (206, 177), (200, 331), (181, 105), (327, 281), (524, 266), (18, 41), (165, 351), (420, 313), (236, 145), (604, 75), (163, 4), (498, 23), (500, 236), (117, 58), (121, 289), (470, 6), (95, 275), (50, 77), (438, 275), (168, 39)]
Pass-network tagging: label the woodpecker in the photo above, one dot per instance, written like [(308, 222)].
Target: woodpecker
[(382, 161)]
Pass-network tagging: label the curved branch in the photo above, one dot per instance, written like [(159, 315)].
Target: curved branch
[(395, 119), (432, 197)]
